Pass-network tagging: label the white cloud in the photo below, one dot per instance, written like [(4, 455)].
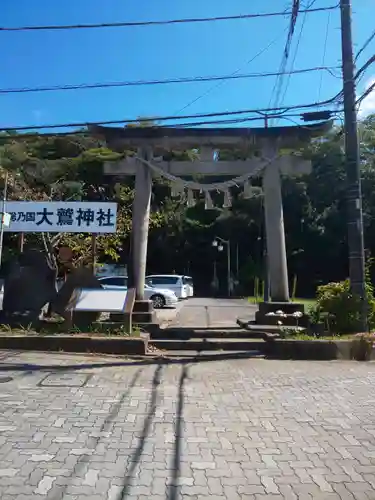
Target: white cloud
[(367, 106)]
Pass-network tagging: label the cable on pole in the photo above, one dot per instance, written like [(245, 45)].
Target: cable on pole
[(168, 118), (139, 83), (290, 72), (365, 45), (217, 85), (324, 53), (284, 60), (130, 24)]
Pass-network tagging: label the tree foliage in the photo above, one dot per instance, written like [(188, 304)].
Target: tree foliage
[(70, 168)]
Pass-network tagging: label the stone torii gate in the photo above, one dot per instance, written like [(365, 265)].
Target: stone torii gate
[(154, 142)]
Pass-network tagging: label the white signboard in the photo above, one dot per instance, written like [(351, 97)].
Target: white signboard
[(92, 299), (61, 216)]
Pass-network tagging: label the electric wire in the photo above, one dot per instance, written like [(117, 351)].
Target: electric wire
[(365, 45), (284, 60), (324, 53), (217, 85), (243, 120), (129, 24), (365, 94), (138, 83), (290, 72), (336, 99), (166, 118)]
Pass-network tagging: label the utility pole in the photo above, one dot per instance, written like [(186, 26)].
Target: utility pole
[(354, 195)]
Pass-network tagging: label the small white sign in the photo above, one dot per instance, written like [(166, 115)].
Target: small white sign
[(6, 219), (93, 299), (61, 217)]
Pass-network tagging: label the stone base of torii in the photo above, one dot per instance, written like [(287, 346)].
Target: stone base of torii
[(151, 143)]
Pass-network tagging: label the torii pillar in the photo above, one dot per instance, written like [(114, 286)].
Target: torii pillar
[(275, 235)]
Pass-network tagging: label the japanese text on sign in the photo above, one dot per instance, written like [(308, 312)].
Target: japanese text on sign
[(69, 217)]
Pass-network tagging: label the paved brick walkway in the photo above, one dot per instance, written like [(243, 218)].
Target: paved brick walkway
[(244, 429)]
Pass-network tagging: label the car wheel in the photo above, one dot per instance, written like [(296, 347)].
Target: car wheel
[(158, 301)]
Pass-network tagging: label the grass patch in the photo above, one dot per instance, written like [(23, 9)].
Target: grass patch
[(57, 328), (332, 338)]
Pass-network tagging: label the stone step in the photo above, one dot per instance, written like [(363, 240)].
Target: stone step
[(212, 344), (207, 333), (180, 356)]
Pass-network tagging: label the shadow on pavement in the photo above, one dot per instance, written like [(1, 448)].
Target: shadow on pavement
[(94, 441), (179, 359), (174, 487), (137, 453)]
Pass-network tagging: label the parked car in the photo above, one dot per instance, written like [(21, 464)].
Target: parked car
[(181, 285), (160, 297)]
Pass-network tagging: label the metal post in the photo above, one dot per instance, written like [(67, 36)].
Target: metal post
[(21, 242), (228, 270), (227, 243), (5, 191), (237, 262), (93, 252), (354, 194), (266, 297)]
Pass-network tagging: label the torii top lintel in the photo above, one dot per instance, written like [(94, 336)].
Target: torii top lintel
[(186, 138)]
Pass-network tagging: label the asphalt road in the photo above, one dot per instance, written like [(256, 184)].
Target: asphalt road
[(208, 312)]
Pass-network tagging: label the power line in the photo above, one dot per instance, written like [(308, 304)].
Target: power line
[(284, 109), (365, 94), (284, 60), (169, 118), (339, 96), (246, 119), (296, 52), (220, 122), (138, 83), (365, 45), (217, 85), (362, 70), (324, 53), (129, 24), (179, 125)]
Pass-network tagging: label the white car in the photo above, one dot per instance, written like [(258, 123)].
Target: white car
[(160, 297), (181, 285)]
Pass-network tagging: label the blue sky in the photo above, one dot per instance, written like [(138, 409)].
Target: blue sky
[(86, 56)]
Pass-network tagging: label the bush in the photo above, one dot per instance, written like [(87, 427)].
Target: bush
[(341, 309)]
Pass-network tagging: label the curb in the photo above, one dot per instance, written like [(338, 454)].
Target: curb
[(76, 343)]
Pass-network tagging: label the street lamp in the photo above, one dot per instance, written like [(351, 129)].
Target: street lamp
[(219, 244)]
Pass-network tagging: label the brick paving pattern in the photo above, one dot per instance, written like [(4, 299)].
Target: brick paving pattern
[(224, 430)]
